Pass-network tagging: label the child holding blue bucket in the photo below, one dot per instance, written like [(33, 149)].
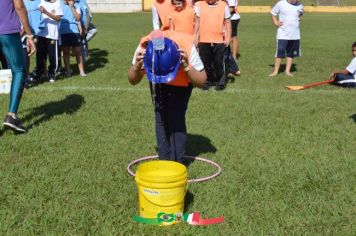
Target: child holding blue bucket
[(173, 67)]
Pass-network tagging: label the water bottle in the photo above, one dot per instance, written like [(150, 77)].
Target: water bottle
[(157, 40)]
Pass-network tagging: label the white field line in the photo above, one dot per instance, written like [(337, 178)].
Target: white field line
[(139, 90)]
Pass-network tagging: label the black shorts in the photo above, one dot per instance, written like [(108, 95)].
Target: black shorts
[(70, 40), (289, 48), (234, 26)]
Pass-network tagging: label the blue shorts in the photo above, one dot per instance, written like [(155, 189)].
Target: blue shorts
[(70, 40), (288, 48)]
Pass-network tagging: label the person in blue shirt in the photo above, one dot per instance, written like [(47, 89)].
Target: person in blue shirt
[(70, 29), (85, 19), (34, 15), (34, 19)]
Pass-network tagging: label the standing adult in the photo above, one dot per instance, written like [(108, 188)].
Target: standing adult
[(289, 14), (13, 12)]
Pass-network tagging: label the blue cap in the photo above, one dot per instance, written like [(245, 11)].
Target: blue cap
[(162, 60)]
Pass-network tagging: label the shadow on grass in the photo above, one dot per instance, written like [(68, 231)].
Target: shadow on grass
[(69, 105), (283, 68), (353, 117), (197, 145), (97, 59), (188, 200)]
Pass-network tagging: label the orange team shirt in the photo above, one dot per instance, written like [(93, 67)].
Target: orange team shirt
[(164, 8), (185, 42), (211, 27), (183, 20)]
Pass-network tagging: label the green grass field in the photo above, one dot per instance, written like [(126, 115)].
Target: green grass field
[(288, 158)]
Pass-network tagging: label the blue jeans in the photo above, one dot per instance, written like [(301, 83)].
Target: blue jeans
[(170, 105), (11, 46)]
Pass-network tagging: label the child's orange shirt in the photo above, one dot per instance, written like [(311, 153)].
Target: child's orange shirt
[(183, 21), (211, 27), (185, 42), (163, 9)]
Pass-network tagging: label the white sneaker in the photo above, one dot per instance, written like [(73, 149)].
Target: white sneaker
[(83, 75)]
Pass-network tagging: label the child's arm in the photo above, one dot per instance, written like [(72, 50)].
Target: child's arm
[(334, 72), (22, 13), (80, 28), (54, 17), (196, 30), (74, 11), (196, 77), (227, 23), (276, 22), (135, 73)]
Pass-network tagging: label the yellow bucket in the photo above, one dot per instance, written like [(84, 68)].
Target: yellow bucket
[(161, 187)]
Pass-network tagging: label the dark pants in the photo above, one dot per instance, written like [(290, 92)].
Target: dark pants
[(3, 61), (170, 105), (347, 81), (46, 47), (230, 63), (212, 56)]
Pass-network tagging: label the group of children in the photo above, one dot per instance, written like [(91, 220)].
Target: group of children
[(60, 28), (209, 23)]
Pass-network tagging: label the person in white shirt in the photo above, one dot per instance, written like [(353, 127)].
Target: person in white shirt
[(286, 15), (346, 77), (47, 38), (235, 20)]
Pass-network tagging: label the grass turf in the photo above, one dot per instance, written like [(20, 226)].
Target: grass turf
[(288, 158)]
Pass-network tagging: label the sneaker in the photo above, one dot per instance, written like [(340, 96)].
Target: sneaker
[(68, 73), (220, 87), (83, 74), (14, 123), (52, 77)]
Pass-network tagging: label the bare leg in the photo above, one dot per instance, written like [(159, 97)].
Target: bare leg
[(235, 47), (78, 56), (66, 59), (289, 66), (277, 64)]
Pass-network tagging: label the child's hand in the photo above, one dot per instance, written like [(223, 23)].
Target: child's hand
[(332, 75), (183, 58), (42, 9), (30, 45), (278, 23), (139, 59)]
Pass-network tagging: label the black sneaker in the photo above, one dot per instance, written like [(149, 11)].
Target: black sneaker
[(14, 123), (220, 87)]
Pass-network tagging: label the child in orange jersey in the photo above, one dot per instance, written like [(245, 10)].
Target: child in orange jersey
[(170, 98), (212, 17), (181, 19), (160, 11)]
